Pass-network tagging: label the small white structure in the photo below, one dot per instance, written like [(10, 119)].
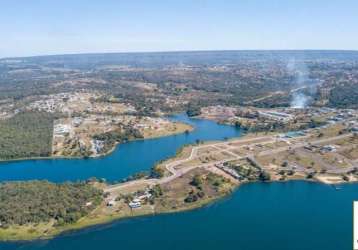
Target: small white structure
[(97, 146), (329, 148), (146, 195), (61, 129), (277, 116), (77, 121), (135, 203)]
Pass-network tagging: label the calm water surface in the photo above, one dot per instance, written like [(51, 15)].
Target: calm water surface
[(127, 159), (289, 216), (295, 215)]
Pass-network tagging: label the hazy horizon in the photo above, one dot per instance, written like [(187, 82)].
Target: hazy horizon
[(183, 51)]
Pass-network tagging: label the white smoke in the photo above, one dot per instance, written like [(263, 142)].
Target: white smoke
[(302, 82), (299, 100)]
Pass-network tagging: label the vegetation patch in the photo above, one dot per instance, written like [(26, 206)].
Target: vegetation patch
[(117, 136), (26, 135), (192, 189), (23, 203)]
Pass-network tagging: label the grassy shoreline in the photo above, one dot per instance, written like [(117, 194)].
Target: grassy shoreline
[(87, 222), (18, 234)]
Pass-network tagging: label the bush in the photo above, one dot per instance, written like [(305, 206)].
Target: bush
[(197, 181), (41, 201), (264, 176), (192, 197), (157, 191), (156, 172)]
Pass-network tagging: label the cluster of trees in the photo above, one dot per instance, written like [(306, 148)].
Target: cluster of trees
[(156, 172), (42, 201), (273, 101), (193, 110), (26, 135), (117, 136), (156, 191), (197, 181), (245, 171), (216, 181), (201, 183), (344, 96), (136, 176), (314, 123), (198, 193), (264, 176), (193, 196)]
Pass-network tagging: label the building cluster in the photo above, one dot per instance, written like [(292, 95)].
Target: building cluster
[(229, 170), (218, 112), (97, 146), (53, 103), (276, 116), (61, 129), (80, 102), (136, 202)]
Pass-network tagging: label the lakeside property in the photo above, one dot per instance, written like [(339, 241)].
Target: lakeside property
[(205, 172), (279, 211), (151, 151), (79, 124)]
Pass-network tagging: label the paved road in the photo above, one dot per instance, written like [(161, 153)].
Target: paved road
[(177, 173)]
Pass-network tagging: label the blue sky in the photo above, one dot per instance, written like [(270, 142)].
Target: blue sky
[(38, 27)]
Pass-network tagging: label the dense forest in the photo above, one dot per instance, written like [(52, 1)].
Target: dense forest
[(26, 135), (41, 201)]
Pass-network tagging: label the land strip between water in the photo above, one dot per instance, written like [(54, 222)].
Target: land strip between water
[(204, 172)]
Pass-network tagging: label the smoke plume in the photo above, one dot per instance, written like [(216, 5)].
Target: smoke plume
[(301, 83)]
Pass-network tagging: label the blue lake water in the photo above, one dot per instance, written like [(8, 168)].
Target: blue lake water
[(127, 159), (295, 215), (276, 216)]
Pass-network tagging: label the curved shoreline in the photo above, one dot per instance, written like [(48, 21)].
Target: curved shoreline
[(86, 223), (98, 219), (115, 146)]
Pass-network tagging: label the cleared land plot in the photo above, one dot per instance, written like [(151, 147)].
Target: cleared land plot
[(351, 153), (205, 159), (206, 150), (330, 131), (175, 192), (347, 141), (246, 142), (335, 160), (293, 158)]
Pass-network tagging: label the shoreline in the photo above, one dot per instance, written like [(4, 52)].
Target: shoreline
[(94, 219), (4, 161), (88, 223)]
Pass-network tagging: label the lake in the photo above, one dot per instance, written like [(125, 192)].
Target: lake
[(293, 215), (127, 159)]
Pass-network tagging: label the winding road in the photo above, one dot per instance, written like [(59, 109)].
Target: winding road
[(220, 147)]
